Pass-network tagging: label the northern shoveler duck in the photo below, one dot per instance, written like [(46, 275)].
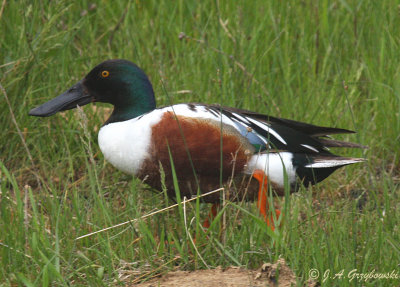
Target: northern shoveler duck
[(208, 144)]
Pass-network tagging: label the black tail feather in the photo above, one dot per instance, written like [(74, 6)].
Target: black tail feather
[(336, 143), (311, 176)]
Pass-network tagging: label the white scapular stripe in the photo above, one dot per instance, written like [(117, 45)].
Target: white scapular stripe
[(240, 117), (268, 129), (309, 147)]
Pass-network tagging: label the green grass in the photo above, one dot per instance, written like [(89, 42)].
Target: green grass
[(333, 63)]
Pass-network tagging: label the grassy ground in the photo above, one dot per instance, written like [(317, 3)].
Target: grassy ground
[(333, 63)]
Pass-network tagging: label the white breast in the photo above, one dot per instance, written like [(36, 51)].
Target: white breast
[(126, 144)]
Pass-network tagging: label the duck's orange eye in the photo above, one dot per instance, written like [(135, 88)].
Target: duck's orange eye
[(105, 74)]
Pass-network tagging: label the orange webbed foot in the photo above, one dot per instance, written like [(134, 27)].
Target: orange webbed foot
[(211, 215), (262, 203)]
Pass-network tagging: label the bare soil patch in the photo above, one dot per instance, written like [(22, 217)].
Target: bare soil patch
[(277, 274)]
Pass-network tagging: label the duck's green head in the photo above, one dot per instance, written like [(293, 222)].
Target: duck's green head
[(118, 82)]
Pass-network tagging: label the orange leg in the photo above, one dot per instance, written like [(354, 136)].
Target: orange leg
[(213, 213), (262, 202)]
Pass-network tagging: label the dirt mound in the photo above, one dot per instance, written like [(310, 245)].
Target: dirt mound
[(278, 274)]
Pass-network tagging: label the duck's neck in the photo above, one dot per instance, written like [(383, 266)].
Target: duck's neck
[(121, 114), (134, 100)]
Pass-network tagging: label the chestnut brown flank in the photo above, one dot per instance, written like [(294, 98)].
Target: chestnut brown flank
[(202, 139)]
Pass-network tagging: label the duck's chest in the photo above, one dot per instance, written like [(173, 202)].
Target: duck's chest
[(126, 144)]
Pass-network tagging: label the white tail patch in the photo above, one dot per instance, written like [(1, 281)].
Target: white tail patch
[(325, 163), (274, 165)]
